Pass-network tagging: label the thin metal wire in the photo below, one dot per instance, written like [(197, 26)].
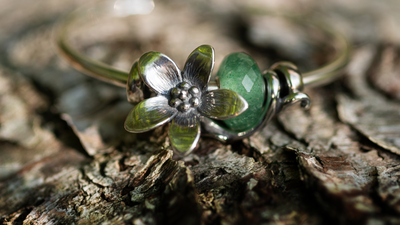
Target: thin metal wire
[(107, 73), (82, 62), (331, 70)]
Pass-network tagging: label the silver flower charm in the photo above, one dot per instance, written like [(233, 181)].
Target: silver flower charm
[(181, 97)]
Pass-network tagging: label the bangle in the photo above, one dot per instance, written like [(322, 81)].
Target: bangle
[(234, 106)]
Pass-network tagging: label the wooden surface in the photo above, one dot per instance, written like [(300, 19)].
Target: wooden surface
[(66, 159)]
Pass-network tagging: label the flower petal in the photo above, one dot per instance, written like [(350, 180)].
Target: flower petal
[(222, 104), (149, 114), (134, 85), (159, 72), (184, 133), (199, 66)]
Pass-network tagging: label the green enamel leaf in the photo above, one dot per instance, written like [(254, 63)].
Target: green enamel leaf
[(148, 114), (199, 66), (134, 85), (222, 104), (159, 72), (184, 136)]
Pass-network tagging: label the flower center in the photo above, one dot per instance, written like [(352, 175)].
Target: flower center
[(184, 96)]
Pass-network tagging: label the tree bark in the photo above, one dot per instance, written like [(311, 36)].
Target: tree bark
[(66, 159)]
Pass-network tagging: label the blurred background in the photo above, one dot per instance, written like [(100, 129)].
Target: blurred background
[(47, 107)]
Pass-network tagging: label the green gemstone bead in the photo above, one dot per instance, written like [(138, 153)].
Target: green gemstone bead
[(240, 73)]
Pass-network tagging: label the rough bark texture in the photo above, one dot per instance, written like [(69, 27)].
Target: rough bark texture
[(66, 159)]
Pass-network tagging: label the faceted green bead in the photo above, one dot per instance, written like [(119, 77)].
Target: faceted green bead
[(240, 73)]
